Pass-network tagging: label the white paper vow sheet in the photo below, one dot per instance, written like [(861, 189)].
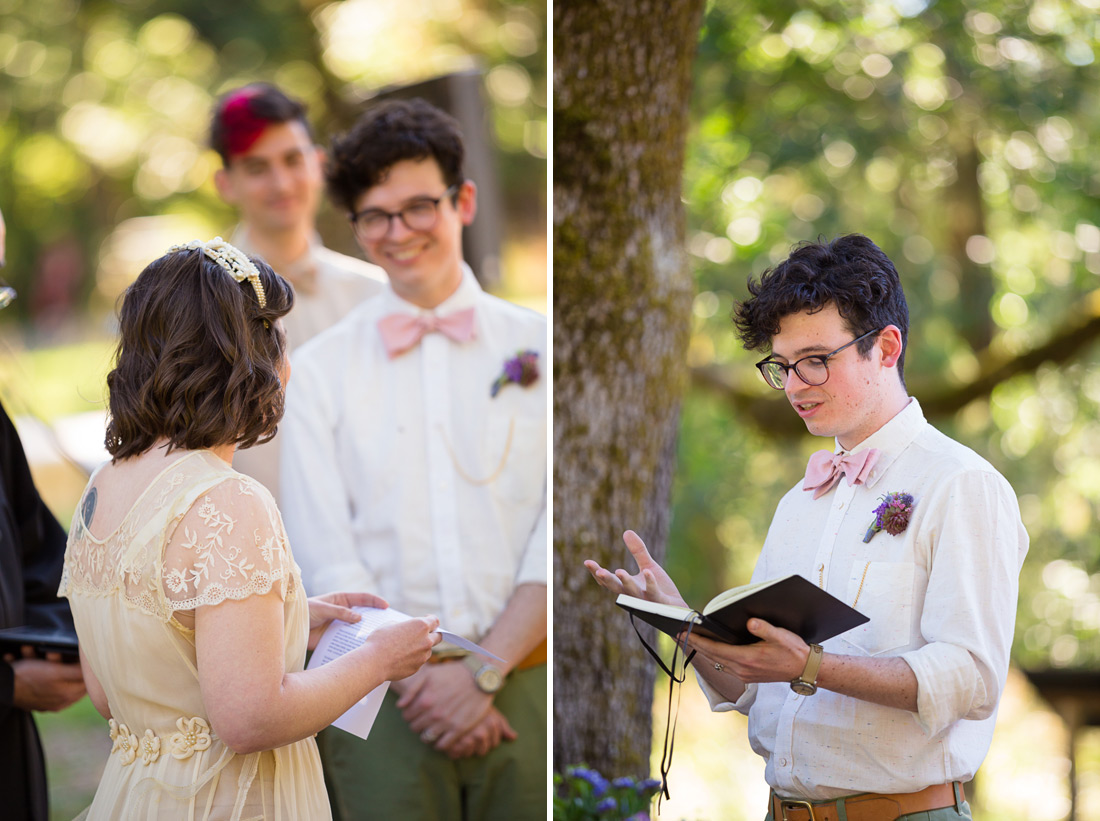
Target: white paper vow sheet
[(341, 637)]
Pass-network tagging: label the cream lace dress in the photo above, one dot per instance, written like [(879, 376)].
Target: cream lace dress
[(199, 534)]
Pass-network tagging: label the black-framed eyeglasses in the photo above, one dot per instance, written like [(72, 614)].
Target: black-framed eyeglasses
[(419, 215), (813, 369)]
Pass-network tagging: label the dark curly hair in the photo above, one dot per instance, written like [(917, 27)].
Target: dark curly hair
[(850, 272), (385, 135), (196, 364), (242, 114)]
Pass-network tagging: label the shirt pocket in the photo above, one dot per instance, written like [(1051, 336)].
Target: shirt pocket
[(514, 454), (882, 591)]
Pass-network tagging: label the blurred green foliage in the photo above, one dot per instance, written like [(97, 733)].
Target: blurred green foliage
[(105, 106), (958, 136)]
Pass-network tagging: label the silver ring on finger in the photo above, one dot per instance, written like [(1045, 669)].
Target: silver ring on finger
[(718, 667), (428, 737)]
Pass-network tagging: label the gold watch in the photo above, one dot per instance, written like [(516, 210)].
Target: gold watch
[(489, 679), (806, 684)]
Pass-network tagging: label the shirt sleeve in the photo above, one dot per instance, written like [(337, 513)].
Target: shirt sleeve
[(969, 611), (33, 536), (720, 704), (32, 551), (316, 509), (532, 566)]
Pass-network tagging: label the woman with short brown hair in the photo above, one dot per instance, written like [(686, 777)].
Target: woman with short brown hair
[(192, 619)]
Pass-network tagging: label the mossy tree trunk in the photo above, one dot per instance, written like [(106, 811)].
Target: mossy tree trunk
[(622, 314)]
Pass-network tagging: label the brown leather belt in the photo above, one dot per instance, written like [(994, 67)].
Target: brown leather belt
[(867, 806), (532, 659)]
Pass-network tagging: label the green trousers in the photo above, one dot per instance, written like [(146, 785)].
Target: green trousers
[(393, 775), (944, 814)]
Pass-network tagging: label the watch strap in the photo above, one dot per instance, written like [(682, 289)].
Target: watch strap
[(813, 665)]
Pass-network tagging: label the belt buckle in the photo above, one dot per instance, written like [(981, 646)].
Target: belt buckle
[(785, 805)]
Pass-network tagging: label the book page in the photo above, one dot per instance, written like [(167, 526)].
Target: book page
[(342, 637), (732, 595), (673, 611)]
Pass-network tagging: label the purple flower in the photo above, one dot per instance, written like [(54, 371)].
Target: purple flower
[(892, 515), (598, 783), (623, 783), (607, 805), (522, 370), (650, 785)]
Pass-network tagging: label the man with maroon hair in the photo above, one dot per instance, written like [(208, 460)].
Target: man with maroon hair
[(272, 173)]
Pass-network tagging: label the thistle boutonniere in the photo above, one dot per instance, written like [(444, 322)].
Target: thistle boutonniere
[(522, 369), (892, 515)]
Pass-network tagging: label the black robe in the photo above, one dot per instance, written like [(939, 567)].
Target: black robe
[(32, 549)]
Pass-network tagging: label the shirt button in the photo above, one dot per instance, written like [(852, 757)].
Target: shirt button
[(782, 762)]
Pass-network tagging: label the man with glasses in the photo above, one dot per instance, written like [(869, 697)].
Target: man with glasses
[(911, 528), (272, 174), (414, 467)]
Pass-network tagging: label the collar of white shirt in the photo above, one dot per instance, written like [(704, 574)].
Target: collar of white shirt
[(465, 296), (891, 439)]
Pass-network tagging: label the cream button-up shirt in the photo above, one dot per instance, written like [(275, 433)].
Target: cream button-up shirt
[(327, 285), (941, 595), (403, 477)]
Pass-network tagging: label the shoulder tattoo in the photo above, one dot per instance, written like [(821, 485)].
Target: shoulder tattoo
[(87, 510)]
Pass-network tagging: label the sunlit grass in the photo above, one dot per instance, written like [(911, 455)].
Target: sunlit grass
[(77, 745)]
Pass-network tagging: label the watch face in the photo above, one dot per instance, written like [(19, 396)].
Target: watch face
[(803, 688), (489, 679)]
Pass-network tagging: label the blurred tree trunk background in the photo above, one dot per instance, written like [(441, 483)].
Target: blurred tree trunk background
[(622, 301)]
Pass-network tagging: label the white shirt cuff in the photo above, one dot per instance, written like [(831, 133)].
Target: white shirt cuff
[(720, 704)]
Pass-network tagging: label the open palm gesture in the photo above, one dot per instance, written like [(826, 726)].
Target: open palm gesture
[(651, 582)]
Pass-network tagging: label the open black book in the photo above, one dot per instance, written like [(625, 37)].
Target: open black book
[(791, 602)]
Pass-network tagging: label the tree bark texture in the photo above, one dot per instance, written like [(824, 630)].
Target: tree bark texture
[(622, 311)]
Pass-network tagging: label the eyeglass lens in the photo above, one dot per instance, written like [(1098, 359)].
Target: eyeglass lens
[(419, 216), (812, 371)]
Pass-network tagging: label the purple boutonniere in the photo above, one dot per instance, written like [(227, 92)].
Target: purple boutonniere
[(892, 515), (522, 369)]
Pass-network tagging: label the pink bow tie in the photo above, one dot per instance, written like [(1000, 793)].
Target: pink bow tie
[(825, 468), (400, 332)]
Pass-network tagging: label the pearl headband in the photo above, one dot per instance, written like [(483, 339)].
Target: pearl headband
[(231, 259)]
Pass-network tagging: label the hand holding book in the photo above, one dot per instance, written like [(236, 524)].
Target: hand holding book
[(777, 655), (791, 602)]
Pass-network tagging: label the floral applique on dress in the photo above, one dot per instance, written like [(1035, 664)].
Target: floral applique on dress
[(193, 736), (124, 743)]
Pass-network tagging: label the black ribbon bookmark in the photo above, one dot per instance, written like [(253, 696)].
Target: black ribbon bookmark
[(670, 720)]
